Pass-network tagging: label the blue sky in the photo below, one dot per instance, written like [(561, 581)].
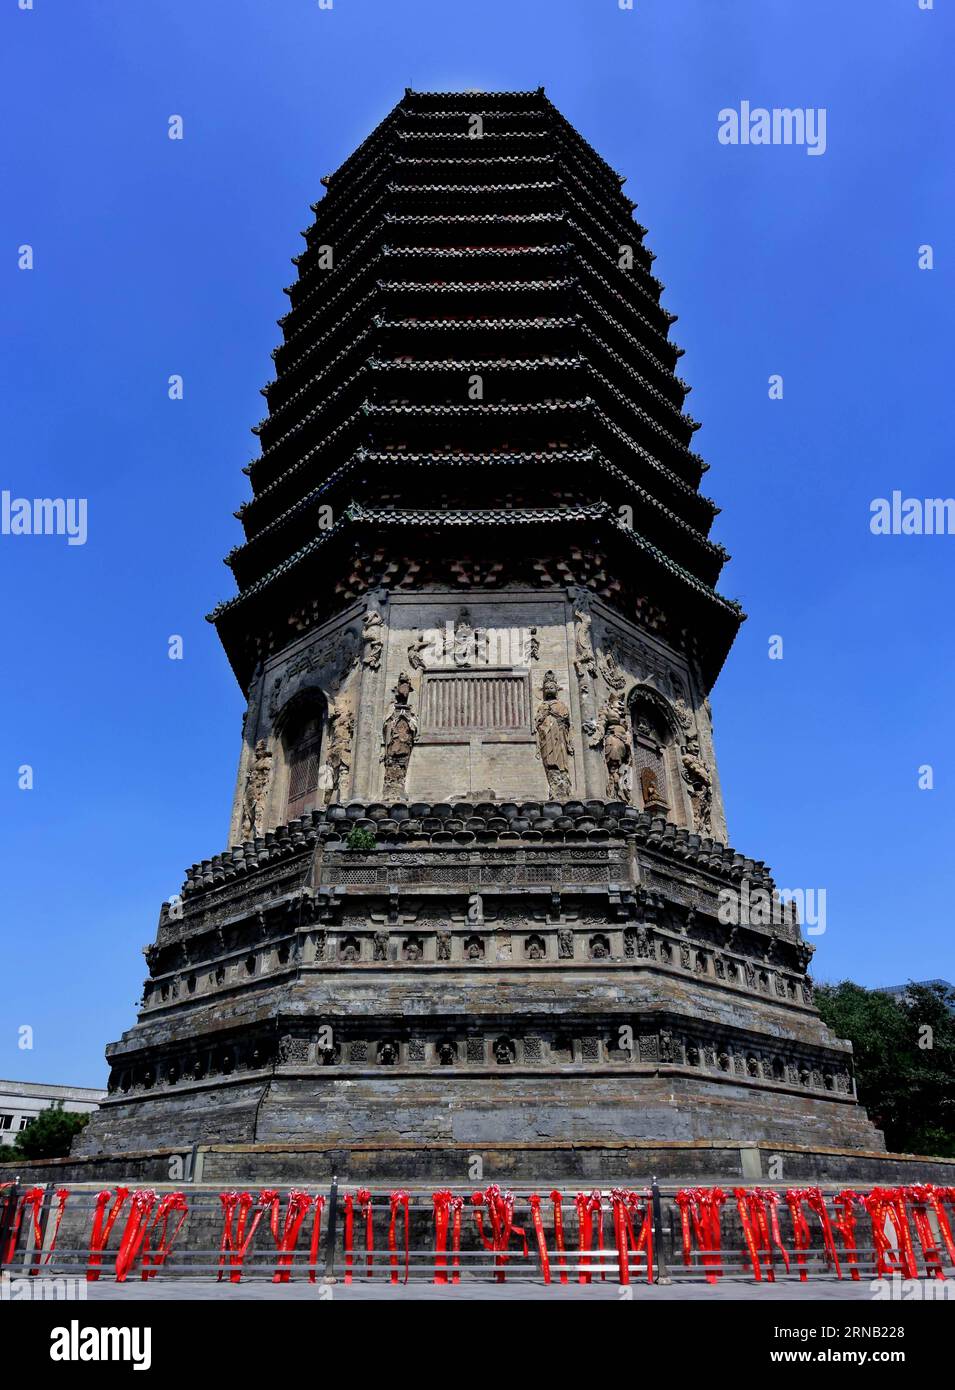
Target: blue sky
[(155, 257)]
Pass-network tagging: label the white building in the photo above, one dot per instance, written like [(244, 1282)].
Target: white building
[(22, 1101)]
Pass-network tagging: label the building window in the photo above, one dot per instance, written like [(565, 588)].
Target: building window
[(6, 1121), (303, 743), (24, 1121), (657, 779)]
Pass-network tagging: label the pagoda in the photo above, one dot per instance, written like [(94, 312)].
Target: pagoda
[(475, 887)]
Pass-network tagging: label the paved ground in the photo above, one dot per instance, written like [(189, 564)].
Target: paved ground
[(514, 1290)]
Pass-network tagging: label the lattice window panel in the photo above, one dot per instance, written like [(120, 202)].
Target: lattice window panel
[(476, 702)]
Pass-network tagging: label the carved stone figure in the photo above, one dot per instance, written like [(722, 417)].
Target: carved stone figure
[(256, 789), (474, 948), (653, 799), (697, 777), (463, 650), (398, 735), (585, 662), (535, 948), (532, 646), (415, 648), (381, 946), (554, 744), (613, 736), (334, 770), (444, 945), (371, 637), (611, 672)]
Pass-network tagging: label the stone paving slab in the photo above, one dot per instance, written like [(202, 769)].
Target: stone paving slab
[(208, 1290)]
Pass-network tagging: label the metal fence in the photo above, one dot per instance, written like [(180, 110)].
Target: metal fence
[(344, 1232)]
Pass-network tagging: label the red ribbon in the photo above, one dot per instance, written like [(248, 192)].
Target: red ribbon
[(759, 1216), (559, 1235), (399, 1202), (626, 1205), (296, 1211), (700, 1209), (363, 1198), (534, 1203), (134, 1235), (102, 1227), (888, 1203), (447, 1212), (589, 1205), (235, 1239), (845, 1223), (816, 1203), (500, 1210), (152, 1259), (936, 1198), (316, 1238)]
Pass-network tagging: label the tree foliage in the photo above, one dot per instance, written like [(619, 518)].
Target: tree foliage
[(904, 1060), (49, 1134)]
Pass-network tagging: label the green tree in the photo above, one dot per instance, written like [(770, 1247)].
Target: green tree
[(49, 1134), (904, 1060)]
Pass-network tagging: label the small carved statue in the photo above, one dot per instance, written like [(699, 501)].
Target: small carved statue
[(585, 662), (503, 1052), (371, 637), (337, 765), (256, 789), (697, 777), (650, 791), (554, 744), (613, 735), (398, 735), (415, 648), (447, 1054), (464, 644), (388, 1054)]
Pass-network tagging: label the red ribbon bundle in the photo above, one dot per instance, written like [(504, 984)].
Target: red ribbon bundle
[(758, 1212), (134, 1235), (700, 1208), (500, 1210), (559, 1235), (924, 1197), (102, 1227), (936, 1197), (235, 1239), (888, 1204), (814, 1200), (589, 1205), (845, 1223), (534, 1202), (33, 1198), (399, 1202), (286, 1240), (626, 1205), (447, 1211)]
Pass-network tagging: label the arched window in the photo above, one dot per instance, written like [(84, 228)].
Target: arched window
[(649, 761), (657, 768), (303, 748)]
